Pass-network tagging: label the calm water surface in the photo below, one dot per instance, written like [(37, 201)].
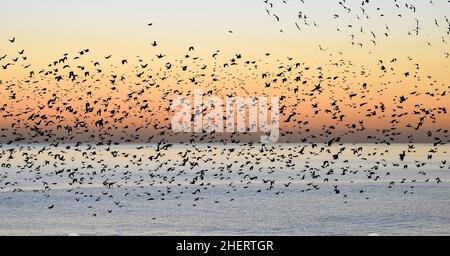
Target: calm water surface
[(147, 204)]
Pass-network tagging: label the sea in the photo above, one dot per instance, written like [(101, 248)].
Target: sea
[(119, 190)]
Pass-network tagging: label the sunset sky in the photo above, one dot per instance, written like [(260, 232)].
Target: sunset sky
[(49, 28)]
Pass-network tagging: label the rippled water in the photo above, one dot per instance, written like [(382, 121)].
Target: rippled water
[(151, 205)]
